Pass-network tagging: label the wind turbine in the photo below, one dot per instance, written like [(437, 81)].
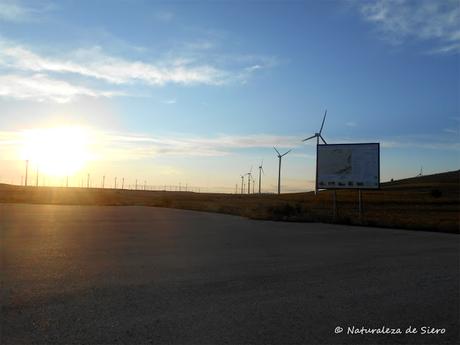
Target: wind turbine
[(261, 170), (318, 136), (242, 184), (249, 180), (279, 166)]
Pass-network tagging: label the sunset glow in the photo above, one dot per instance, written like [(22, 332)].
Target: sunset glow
[(58, 151)]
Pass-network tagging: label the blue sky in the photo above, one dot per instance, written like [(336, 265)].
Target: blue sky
[(197, 92)]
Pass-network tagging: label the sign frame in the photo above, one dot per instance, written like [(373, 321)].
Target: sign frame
[(348, 187)]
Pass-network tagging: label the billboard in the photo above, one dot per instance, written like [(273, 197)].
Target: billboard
[(341, 166)]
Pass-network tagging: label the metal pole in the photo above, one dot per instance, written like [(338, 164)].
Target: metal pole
[(334, 202), (87, 181), (136, 184), (316, 179), (249, 183), (122, 183), (103, 181), (67, 182), (360, 206), (115, 185), (27, 170), (242, 184), (279, 175), (260, 173)]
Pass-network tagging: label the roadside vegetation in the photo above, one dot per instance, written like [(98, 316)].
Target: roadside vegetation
[(429, 202)]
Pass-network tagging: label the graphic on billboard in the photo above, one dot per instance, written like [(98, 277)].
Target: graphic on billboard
[(348, 166)]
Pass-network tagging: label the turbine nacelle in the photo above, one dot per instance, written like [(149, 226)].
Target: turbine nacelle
[(318, 135)]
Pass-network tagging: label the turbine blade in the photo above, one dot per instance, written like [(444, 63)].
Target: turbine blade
[(322, 124), (276, 151), (324, 141), (284, 154), (309, 138)]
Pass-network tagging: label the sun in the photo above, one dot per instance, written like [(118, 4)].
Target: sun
[(57, 151)]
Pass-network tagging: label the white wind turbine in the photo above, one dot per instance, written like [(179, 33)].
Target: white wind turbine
[(261, 171), (318, 136), (280, 156), (249, 180)]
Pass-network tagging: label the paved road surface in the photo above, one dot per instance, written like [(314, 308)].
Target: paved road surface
[(138, 275)]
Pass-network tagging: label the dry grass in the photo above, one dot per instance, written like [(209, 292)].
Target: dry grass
[(424, 203)]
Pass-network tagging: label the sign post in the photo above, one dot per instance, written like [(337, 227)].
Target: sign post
[(348, 166)]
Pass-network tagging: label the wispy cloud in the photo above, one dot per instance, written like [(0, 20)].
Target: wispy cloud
[(15, 11), (181, 145), (39, 87), (163, 16), (401, 20), (421, 141), (452, 130), (113, 146), (95, 64)]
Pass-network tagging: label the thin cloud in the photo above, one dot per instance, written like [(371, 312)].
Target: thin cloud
[(452, 130), (112, 146), (41, 88), (93, 63), (163, 16), (15, 11), (222, 145), (402, 20)]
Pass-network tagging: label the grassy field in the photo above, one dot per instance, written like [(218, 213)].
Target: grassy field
[(429, 202)]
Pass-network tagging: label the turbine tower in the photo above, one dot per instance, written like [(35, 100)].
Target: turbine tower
[(242, 184), (280, 156), (27, 171), (249, 180), (318, 136), (261, 170)]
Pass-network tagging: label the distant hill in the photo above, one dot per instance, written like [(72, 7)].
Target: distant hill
[(447, 182)]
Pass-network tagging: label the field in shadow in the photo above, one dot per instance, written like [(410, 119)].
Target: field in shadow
[(429, 202)]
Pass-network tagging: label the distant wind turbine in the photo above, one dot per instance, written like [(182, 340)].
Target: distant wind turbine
[(242, 184), (318, 136), (249, 180), (421, 171), (261, 170), (280, 156), (27, 171)]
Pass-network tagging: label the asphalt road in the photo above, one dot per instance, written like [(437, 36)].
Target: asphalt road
[(138, 275)]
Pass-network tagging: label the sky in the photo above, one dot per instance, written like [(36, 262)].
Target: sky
[(197, 92)]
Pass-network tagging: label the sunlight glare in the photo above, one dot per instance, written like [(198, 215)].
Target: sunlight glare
[(57, 151)]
